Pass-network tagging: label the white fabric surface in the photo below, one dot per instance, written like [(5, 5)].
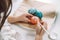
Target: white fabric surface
[(13, 32)]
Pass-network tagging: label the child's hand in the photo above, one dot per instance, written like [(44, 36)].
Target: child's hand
[(25, 17), (40, 32)]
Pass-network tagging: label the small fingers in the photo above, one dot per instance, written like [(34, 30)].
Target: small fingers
[(45, 26), (27, 20), (29, 14), (38, 30), (41, 31)]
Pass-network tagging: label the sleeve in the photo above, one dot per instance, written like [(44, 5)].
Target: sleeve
[(8, 33)]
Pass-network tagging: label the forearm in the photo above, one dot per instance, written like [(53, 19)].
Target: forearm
[(12, 19)]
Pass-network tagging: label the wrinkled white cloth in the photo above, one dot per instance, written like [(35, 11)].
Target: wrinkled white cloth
[(14, 32)]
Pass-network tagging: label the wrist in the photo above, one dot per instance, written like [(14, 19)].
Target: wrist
[(18, 18), (38, 37)]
